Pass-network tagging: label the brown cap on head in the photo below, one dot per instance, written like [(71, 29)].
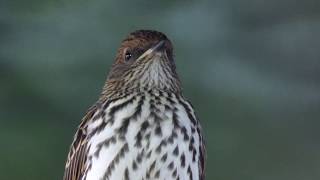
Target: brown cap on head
[(147, 35)]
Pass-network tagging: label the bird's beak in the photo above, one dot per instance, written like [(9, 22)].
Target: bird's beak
[(158, 47)]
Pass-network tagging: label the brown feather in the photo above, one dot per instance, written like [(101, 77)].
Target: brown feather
[(75, 165)]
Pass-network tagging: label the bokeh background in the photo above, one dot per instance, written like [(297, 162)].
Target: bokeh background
[(251, 69)]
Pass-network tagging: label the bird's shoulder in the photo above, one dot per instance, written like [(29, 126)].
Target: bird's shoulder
[(77, 158), (76, 161)]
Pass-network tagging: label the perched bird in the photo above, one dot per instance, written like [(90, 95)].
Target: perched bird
[(141, 127)]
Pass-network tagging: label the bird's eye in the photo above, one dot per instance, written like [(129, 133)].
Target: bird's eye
[(127, 56)]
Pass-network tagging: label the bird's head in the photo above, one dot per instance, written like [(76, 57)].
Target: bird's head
[(144, 61)]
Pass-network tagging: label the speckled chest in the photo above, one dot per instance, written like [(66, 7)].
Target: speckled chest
[(144, 135)]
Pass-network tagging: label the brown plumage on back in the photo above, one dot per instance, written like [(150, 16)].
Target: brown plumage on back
[(141, 127)]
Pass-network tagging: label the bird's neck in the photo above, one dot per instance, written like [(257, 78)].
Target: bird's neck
[(111, 90)]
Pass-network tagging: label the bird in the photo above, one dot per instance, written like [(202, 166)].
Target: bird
[(141, 127)]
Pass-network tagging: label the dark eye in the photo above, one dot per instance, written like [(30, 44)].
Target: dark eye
[(127, 56)]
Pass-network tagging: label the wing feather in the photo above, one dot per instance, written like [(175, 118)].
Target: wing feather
[(77, 157), (202, 160)]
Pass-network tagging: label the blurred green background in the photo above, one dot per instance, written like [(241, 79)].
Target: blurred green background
[(251, 69)]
